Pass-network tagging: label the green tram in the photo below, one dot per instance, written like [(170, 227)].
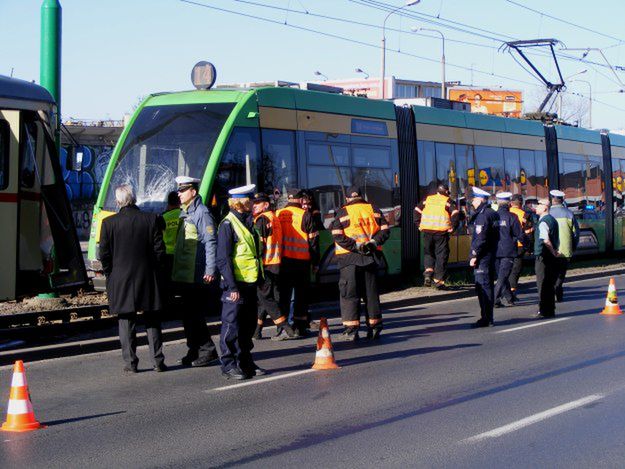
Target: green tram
[(280, 137)]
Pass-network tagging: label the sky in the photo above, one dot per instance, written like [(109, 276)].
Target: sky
[(115, 52)]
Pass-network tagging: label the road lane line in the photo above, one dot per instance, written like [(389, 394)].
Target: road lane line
[(262, 380), (541, 323), (532, 419)]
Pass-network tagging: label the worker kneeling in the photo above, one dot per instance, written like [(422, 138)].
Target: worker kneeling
[(359, 230)]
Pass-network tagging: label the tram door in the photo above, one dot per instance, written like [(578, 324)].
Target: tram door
[(9, 150)]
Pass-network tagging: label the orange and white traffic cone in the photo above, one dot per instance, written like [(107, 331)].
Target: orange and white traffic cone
[(20, 415), (611, 302), (324, 358)]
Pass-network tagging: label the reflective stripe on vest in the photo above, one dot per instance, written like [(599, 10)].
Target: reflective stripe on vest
[(273, 243), (362, 227), (172, 223), (294, 239), (244, 257), (435, 216), (520, 214)]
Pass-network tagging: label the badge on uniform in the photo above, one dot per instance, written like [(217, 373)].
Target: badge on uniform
[(478, 229)]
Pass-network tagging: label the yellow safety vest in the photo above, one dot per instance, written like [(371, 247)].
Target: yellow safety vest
[(435, 216), (362, 225), (244, 256), (520, 214), (172, 223)]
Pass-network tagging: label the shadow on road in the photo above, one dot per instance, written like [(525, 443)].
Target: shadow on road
[(78, 419)]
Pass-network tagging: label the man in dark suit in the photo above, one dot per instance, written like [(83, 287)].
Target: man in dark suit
[(132, 252)]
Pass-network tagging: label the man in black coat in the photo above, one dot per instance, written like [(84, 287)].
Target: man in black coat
[(132, 251)]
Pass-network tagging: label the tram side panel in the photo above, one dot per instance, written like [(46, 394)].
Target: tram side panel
[(617, 153), (9, 151)]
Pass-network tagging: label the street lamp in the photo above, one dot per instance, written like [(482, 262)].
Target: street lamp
[(360, 70), (560, 92), (408, 3), (443, 91), (319, 74), (589, 101)]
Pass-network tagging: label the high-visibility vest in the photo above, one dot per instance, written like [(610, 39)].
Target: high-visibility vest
[(435, 216), (172, 223), (362, 227), (244, 255), (294, 239), (520, 214), (273, 243)]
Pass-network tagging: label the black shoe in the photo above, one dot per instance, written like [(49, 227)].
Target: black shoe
[(498, 305), (514, 298), (540, 315), (350, 335), (256, 371), (287, 334), (258, 334), (161, 367), (507, 303), (481, 323), (187, 360), (441, 286), (427, 282), (234, 373), (369, 333), (130, 369), (205, 361)]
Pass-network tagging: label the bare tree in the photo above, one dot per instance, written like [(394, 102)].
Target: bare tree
[(571, 108)]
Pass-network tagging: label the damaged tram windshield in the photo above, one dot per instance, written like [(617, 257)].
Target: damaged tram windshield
[(165, 142)]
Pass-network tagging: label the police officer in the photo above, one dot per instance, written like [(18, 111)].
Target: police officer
[(269, 230), (194, 266), (359, 230), (170, 223), (238, 261), (482, 257), (568, 232), (509, 235), (546, 252), (437, 218), (300, 253), (523, 245)]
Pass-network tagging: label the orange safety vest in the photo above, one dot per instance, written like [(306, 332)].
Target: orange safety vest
[(362, 225), (273, 243), (435, 216), (294, 239), (520, 214)]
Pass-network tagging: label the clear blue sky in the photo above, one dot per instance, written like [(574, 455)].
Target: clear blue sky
[(115, 51)]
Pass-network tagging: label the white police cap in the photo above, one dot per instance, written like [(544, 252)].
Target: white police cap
[(186, 180), (504, 195), (477, 192), (557, 193), (242, 192)]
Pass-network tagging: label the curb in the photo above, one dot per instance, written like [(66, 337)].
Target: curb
[(104, 344)]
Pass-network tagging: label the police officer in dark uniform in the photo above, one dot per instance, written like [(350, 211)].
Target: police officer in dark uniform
[(483, 249), (509, 234), (525, 243), (238, 261)]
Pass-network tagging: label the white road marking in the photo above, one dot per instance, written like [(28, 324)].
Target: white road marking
[(532, 419), (541, 323), (262, 380)]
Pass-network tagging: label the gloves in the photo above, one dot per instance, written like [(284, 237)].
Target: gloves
[(362, 248)]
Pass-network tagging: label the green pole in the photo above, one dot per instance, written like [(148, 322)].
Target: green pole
[(50, 60)]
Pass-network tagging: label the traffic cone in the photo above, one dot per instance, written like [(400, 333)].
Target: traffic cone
[(20, 415), (611, 302), (324, 358)]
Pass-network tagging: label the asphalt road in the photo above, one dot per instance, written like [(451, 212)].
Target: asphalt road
[(431, 393)]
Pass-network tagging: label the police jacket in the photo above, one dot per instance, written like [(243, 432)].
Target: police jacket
[(226, 241), (568, 229), (196, 243), (485, 232), (510, 232), (344, 242)]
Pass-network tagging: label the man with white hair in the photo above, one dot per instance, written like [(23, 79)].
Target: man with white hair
[(132, 252)]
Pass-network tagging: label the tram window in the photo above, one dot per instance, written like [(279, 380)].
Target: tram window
[(572, 180), (278, 167), (371, 157), (618, 182), (28, 154), (595, 194), (327, 184), (527, 178), (446, 166), (4, 154), (512, 166), (465, 173), (326, 154), (491, 170), (239, 164), (542, 190), (427, 168)]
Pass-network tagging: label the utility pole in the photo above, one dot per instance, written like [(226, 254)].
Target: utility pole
[(50, 58)]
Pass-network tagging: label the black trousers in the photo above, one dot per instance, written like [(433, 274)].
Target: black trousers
[(269, 300), (503, 267), (238, 322), (294, 280), (128, 337), (517, 267), (356, 282), (484, 287), (562, 264), (435, 255), (546, 275), (196, 302)]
